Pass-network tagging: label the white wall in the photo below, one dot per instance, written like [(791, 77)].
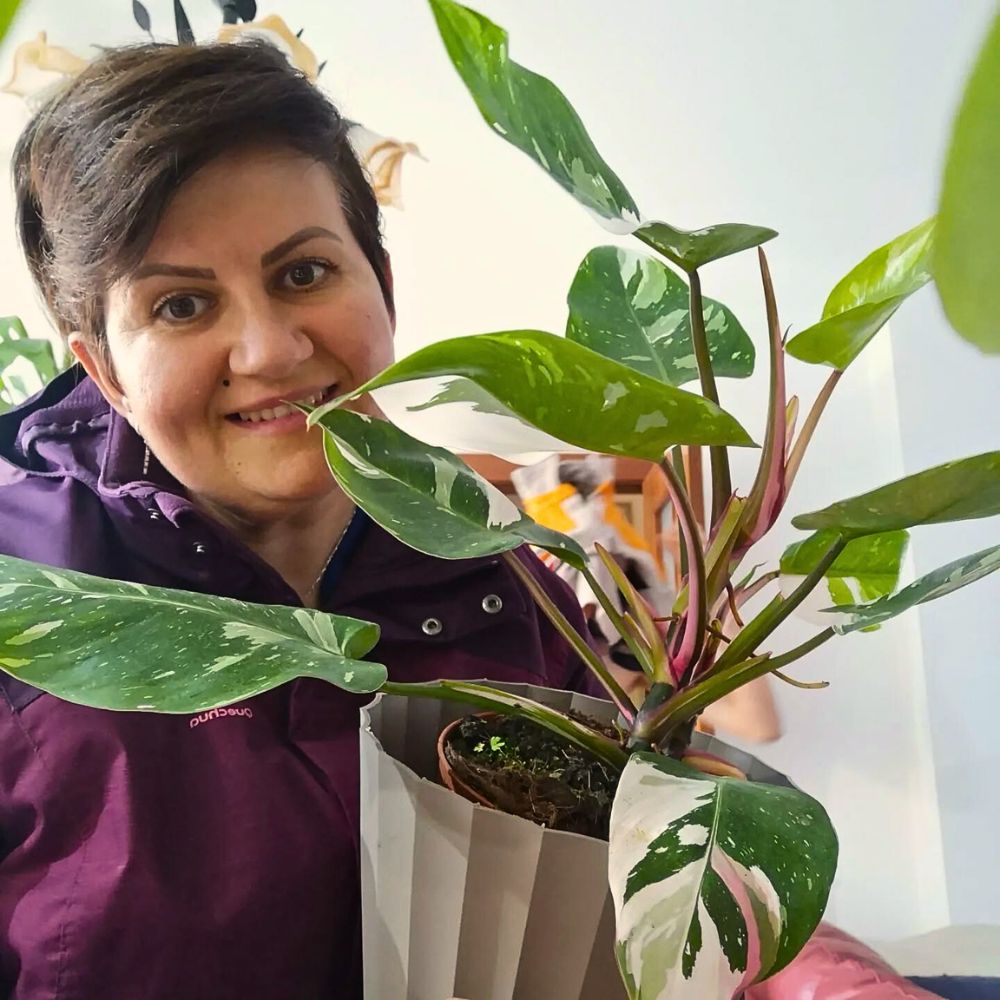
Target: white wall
[(825, 120)]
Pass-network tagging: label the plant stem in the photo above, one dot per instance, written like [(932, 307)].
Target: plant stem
[(687, 705), (570, 634), (696, 617), (635, 648), (778, 610), (808, 429), (722, 484)]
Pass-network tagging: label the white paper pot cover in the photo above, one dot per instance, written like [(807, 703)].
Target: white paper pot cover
[(463, 901)]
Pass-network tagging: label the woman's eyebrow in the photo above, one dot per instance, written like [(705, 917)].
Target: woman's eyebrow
[(266, 259), (310, 232), (174, 270)]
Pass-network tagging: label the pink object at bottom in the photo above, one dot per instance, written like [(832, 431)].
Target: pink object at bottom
[(835, 966)]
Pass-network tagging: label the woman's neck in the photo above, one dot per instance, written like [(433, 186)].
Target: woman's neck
[(298, 543)]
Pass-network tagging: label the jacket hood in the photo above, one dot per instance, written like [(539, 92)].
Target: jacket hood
[(69, 430)]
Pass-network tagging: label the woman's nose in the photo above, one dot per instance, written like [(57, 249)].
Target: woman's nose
[(268, 344)]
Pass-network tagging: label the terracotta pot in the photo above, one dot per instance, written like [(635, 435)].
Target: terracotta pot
[(449, 779)]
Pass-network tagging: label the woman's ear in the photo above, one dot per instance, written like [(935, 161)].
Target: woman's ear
[(97, 364)]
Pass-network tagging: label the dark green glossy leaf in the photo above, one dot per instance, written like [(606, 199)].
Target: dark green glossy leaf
[(425, 496), (127, 646), (531, 113), (506, 703), (690, 855), (870, 564), (570, 392), (955, 491), (967, 260), (632, 308), (690, 249), (939, 583), (864, 300)]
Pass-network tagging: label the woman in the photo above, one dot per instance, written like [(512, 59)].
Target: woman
[(208, 246)]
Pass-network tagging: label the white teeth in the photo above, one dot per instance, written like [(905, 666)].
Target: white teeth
[(284, 410)]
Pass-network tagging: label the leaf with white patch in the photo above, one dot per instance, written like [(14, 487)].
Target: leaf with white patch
[(717, 883), (569, 392), (866, 298), (127, 646), (425, 496), (532, 114), (930, 587), (634, 309), (867, 568)]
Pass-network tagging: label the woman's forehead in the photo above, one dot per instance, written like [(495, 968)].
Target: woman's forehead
[(249, 200)]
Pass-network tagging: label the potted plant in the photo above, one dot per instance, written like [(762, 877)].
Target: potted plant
[(717, 881)]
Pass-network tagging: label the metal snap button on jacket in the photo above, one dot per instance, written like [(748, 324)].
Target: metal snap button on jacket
[(492, 604), (431, 626)]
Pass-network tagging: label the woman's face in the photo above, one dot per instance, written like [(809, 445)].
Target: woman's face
[(253, 291)]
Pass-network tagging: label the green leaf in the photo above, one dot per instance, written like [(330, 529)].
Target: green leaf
[(531, 113), (690, 249), (426, 497), (569, 392), (633, 309), (26, 364), (461, 390), (940, 582), (967, 259), (126, 646), (505, 703), (864, 300), (690, 856), (8, 8), (956, 491), (870, 564)]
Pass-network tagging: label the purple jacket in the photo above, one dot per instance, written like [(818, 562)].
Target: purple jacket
[(177, 858)]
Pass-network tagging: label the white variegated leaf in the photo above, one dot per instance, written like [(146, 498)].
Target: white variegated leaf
[(717, 882), (132, 647)]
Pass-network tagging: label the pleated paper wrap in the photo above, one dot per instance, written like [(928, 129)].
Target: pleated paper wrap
[(463, 901)]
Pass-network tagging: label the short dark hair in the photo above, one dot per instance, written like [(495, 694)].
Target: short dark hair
[(96, 166)]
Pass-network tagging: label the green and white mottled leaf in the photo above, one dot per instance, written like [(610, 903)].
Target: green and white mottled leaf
[(867, 568), (939, 583), (717, 883), (570, 392), (634, 309), (531, 113), (126, 646), (956, 491), (426, 497), (865, 299), (690, 249), (461, 390), (505, 703), (967, 258)]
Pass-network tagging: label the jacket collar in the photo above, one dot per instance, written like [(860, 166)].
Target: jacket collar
[(69, 429)]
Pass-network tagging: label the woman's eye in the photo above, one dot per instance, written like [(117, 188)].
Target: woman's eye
[(181, 308), (305, 274)]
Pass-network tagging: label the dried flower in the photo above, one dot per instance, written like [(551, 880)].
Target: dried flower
[(274, 30), (383, 159), (38, 67)]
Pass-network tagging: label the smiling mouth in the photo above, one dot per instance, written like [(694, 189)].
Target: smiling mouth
[(283, 409)]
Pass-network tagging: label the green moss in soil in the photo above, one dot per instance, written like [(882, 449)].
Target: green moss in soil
[(524, 769)]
